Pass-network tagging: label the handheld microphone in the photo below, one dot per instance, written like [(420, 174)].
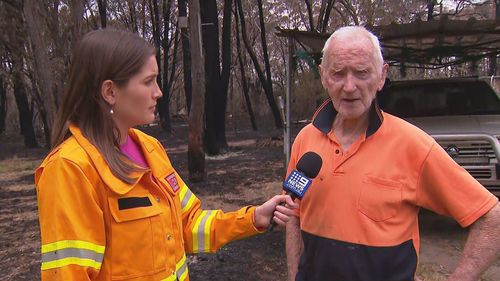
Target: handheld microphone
[(300, 179)]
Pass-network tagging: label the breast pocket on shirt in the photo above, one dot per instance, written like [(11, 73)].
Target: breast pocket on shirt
[(379, 199), (135, 236)]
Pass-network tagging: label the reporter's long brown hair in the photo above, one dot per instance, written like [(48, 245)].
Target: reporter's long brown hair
[(101, 55)]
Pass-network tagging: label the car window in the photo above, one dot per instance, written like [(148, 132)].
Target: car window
[(439, 99)]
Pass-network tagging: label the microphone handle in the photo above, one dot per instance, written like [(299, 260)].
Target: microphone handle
[(272, 223)]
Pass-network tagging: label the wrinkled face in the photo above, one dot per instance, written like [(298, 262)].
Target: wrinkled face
[(135, 103), (352, 76)]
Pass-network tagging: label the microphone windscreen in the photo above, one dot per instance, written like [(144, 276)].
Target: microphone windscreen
[(310, 163)]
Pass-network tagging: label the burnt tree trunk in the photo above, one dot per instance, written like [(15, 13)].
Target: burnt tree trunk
[(23, 107), (309, 14), (155, 24), (133, 15), (323, 22), (497, 9), (221, 97), (267, 65), (103, 6), (171, 78), (3, 105), (196, 154), (322, 11), (77, 9), (42, 66), (244, 83), (210, 34), (430, 9), (186, 55), (164, 102), (268, 89)]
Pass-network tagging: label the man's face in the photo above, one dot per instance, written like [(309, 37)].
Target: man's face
[(352, 76)]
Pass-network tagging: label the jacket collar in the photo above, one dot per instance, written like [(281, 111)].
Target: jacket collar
[(326, 113), (114, 183)]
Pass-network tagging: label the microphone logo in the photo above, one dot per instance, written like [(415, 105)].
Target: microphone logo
[(297, 183)]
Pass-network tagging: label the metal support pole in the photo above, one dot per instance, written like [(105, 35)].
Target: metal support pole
[(288, 119)]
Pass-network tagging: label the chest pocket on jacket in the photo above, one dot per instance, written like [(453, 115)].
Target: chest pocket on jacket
[(137, 247), (379, 199)]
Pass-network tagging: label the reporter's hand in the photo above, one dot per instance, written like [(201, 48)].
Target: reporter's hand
[(271, 208)]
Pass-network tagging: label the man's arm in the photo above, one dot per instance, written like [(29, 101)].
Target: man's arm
[(294, 246), (482, 247)]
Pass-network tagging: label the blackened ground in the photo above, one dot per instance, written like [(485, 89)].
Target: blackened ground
[(250, 173)]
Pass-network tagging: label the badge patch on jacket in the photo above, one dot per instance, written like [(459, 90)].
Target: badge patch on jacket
[(172, 180)]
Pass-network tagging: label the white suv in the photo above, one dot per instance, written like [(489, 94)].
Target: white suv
[(462, 114)]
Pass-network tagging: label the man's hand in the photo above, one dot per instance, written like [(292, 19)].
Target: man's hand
[(271, 208), (481, 249)]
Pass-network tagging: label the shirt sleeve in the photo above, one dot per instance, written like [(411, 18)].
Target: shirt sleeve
[(448, 189), (71, 222)]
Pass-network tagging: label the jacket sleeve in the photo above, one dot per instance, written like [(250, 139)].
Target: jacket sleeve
[(209, 230), (71, 222)]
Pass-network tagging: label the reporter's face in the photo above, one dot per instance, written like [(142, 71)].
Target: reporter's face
[(136, 101)]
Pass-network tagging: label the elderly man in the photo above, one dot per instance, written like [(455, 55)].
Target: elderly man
[(359, 219)]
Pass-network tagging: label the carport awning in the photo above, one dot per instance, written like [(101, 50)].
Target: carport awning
[(430, 44)]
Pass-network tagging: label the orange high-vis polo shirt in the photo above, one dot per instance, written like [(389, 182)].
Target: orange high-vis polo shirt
[(359, 217), (96, 227)]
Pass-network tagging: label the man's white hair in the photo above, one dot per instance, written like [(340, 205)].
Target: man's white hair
[(349, 31)]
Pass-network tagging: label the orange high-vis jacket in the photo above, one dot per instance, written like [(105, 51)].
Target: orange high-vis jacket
[(96, 227)]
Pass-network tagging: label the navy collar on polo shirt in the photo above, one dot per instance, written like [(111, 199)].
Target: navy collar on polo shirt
[(325, 115)]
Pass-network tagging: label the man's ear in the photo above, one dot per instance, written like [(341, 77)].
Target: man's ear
[(383, 75), (321, 69), (108, 92)]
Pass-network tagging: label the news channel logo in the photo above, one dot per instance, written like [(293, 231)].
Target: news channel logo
[(297, 183)]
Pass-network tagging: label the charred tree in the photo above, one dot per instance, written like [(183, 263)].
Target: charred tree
[(23, 105), (309, 14), (42, 67), (267, 85), (325, 15), (196, 154), (430, 9), (210, 34), (215, 87), (3, 105), (221, 95), (103, 14), (164, 102), (186, 55), (244, 82), (155, 24)]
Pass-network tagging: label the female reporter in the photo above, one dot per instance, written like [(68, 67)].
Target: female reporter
[(111, 206)]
